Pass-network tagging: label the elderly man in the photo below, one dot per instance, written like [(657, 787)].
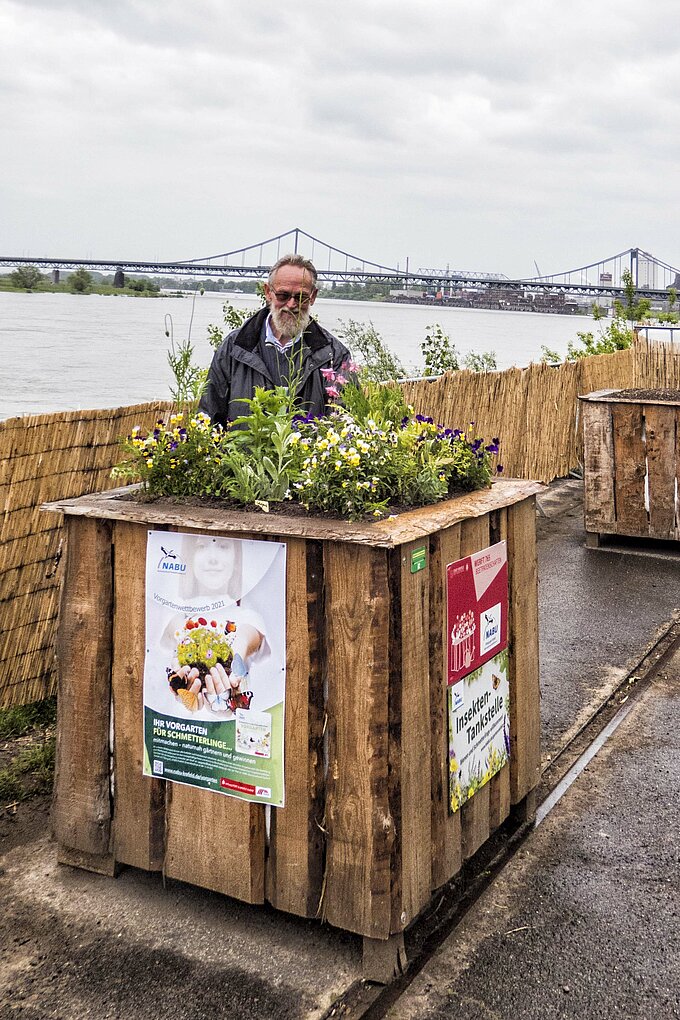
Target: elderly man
[(279, 345)]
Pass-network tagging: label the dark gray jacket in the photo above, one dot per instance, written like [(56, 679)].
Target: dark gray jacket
[(237, 368)]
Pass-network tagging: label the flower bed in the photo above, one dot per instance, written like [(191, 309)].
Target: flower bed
[(365, 456)]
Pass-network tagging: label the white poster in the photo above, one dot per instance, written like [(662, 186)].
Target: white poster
[(215, 668)]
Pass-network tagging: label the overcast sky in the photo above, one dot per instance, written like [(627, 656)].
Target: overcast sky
[(486, 135)]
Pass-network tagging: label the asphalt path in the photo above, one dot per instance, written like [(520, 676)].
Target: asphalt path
[(585, 919)]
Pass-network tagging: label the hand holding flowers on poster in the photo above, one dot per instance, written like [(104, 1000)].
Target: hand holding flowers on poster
[(211, 651)]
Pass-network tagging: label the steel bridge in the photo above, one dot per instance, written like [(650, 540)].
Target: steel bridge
[(604, 278)]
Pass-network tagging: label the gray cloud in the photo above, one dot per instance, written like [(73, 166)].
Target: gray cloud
[(483, 135)]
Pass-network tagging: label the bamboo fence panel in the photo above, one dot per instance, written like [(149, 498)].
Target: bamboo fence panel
[(46, 457), (656, 365)]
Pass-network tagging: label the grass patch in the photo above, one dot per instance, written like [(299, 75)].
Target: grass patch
[(14, 722), (27, 733)]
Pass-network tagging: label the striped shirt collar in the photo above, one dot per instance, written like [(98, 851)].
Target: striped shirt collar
[(270, 338)]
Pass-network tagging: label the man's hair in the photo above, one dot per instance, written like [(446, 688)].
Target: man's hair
[(293, 260)]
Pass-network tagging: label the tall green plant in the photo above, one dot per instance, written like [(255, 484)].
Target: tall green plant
[(441, 355), (257, 455), (377, 362), (617, 335), (190, 378)]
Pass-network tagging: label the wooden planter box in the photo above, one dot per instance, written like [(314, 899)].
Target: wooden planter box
[(630, 465), (364, 842)]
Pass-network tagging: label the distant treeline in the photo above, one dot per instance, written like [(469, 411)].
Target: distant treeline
[(77, 281)]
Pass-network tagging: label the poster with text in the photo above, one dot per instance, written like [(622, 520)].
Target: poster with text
[(215, 666), (476, 609), (479, 728), (478, 693)]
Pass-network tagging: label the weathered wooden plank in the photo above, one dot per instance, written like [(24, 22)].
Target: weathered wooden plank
[(101, 864), (447, 852), (360, 829), (677, 472), (499, 797), (386, 534), (598, 476), (629, 466), (660, 440), (499, 786), (475, 821), (525, 715), (215, 841), (409, 733), (295, 862), (138, 836), (81, 812)]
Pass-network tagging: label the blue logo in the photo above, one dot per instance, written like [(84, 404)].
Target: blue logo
[(170, 563)]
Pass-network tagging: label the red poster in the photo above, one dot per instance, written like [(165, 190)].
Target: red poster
[(477, 609)]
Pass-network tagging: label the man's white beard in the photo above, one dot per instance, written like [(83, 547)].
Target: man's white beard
[(289, 325)]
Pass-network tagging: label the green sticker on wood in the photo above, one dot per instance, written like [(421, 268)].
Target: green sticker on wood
[(418, 559)]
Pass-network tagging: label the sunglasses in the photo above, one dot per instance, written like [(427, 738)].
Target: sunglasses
[(284, 296)]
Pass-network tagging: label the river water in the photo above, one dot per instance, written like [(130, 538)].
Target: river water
[(70, 351)]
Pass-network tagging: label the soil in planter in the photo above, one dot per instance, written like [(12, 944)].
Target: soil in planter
[(285, 508), (672, 396)]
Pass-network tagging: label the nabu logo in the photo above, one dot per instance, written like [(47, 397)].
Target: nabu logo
[(170, 563), (490, 627)]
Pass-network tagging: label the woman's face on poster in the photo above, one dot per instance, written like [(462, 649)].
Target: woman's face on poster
[(214, 564)]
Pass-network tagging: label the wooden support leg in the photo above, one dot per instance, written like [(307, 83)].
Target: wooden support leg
[(101, 864), (592, 539), (525, 809), (384, 959)]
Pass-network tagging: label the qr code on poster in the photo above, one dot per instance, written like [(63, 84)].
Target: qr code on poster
[(158, 768)]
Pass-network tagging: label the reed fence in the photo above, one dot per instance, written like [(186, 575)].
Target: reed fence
[(44, 457), (48, 457)]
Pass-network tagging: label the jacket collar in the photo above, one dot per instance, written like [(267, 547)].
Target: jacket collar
[(253, 329)]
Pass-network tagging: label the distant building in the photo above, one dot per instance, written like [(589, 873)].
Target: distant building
[(409, 293)]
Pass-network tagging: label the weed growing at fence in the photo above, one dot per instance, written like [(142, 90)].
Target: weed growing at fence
[(619, 334), (28, 733), (16, 721)]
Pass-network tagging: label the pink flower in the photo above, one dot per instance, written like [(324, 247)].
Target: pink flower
[(328, 374), (332, 391), (340, 380)]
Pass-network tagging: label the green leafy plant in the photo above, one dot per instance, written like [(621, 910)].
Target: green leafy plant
[(376, 361), (484, 362), (439, 352), (370, 451), (233, 318), (190, 378), (617, 335), (441, 355), (257, 455), (29, 771)]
